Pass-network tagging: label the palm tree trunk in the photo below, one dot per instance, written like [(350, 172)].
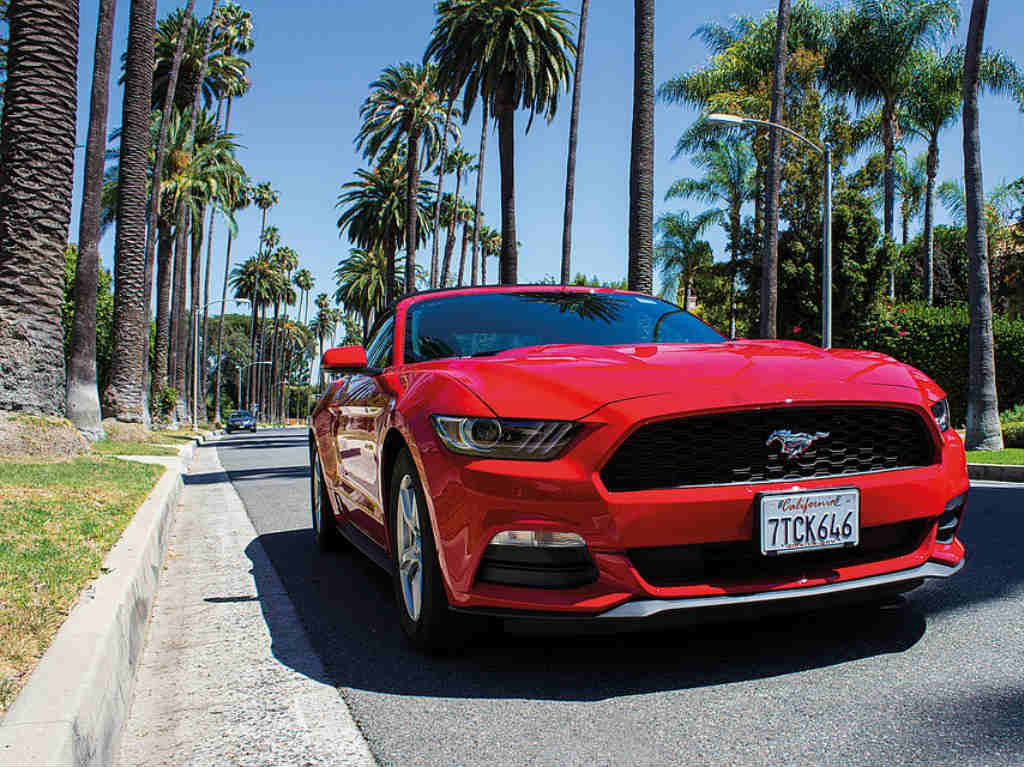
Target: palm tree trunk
[(124, 398), (195, 342), (686, 294), (273, 347), (220, 330), (156, 185), (735, 233), (389, 269), (508, 269), (83, 399), (929, 221), (206, 285), (479, 189), (983, 429), (412, 187), (180, 301), (177, 282), (641, 156), (251, 383), (889, 178), (164, 274), (462, 255), (437, 203), (574, 126), (770, 254), (449, 242)]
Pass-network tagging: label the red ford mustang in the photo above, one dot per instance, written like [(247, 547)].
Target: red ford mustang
[(603, 456)]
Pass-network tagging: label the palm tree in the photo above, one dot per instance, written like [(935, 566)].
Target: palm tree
[(83, 399), (490, 247), (1002, 207), (361, 285), (681, 254), (265, 197), (770, 252), (459, 161), (240, 202), (37, 161), (570, 169), (641, 156), (933, 103), (124, 398), (404, 103), (304, 282), (875, 43), (466, 215), (730, 181), (254, 281), (374, 210), (200, 80), (155, 219), (512, 54), (324, 322), (983, 429)]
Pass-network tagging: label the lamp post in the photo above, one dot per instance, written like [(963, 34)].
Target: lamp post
[(825, 150), (195, 353)]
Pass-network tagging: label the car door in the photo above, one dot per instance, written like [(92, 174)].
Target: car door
[(362, 414)]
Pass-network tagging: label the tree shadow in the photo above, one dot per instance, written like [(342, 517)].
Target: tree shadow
[(248, 475)]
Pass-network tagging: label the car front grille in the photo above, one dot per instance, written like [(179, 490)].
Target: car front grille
[(730, 448), (741, 561)]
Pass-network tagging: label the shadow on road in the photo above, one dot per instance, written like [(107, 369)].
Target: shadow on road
[(347, 606), (243, 475)]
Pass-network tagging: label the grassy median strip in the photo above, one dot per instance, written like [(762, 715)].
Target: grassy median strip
[(113, 447), (1011, 456), (57, 522)]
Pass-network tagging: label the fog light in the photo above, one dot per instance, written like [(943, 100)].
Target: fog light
[(950, 520), (538, 538)]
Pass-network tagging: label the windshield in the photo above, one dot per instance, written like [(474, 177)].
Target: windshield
[(241, 414), (488, 323)]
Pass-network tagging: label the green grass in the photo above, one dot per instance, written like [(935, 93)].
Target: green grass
[(57, 522), (110, 447), (1011, 456)]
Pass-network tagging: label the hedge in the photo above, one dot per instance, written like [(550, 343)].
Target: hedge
[(934, 340)]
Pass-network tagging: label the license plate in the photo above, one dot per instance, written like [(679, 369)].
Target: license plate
[(825, 519)]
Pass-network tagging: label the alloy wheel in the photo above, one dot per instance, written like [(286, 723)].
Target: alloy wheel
[(410, 551)]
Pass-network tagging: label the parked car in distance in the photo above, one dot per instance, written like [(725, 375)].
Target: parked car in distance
[(570, 455), (241, 419)]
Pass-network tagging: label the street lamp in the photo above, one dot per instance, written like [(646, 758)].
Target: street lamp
[(825, 150), (195, 353)]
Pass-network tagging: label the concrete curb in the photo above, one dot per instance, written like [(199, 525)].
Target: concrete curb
[(76, 701), (995, 472)]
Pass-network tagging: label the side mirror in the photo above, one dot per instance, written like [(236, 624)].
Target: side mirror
[(344, 359)]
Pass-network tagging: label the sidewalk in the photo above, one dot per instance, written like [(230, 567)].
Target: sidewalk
[(209, 688)]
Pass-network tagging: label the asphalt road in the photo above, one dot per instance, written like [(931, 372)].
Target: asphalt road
[(938, 681)]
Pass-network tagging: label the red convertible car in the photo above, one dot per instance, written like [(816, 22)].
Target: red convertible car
[(603, 457)]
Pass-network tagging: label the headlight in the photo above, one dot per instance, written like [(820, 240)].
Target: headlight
[(503, 438), (940, 411)]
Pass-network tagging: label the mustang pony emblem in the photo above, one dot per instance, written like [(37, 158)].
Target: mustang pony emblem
[(794, 444)]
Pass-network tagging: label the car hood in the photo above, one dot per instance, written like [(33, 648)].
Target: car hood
[(572, 381)]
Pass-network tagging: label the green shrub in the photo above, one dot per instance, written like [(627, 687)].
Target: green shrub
[(165, 401), (934, 340), (1013, 435), (1014, 414)]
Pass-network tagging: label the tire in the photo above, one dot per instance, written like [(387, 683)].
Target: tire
[(325, 530), (253, 429), (425, 617)]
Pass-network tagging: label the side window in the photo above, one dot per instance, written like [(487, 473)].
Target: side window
[(378, 352)]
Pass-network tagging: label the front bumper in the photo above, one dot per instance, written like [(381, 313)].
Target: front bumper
[(473, 500)]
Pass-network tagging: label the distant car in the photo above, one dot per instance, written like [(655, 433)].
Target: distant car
[(604, 457), (240, 419)]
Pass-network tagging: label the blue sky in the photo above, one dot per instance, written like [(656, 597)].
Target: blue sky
[(313, 63)]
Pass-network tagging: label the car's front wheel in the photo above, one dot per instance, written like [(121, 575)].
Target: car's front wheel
[(416, 572), (325, 531)]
